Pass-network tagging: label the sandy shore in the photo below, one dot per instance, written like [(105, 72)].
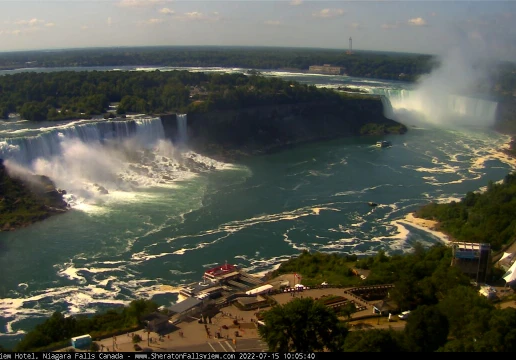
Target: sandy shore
[(429, 226)]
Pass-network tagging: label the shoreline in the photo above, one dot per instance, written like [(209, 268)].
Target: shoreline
[(432, 226), (429, 226)]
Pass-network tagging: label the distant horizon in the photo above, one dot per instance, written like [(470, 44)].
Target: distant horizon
[(408, 27), (208, 46)]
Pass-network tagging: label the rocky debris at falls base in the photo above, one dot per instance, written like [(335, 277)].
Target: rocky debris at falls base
[(27, 199)]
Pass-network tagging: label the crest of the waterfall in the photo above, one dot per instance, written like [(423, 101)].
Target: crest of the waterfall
[(182, 129), (47, 143), (436, 106), (88, 158)]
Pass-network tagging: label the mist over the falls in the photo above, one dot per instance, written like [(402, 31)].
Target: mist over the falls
[(91, 163), (449, 95)]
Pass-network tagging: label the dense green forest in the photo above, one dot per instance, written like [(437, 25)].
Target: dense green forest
[(58, 329), (486, 217), (447, 312), (381, 65), (70, 94)]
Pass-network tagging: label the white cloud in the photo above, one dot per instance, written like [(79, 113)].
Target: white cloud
[(166, 11), (198, 16), (390, 26), (355, 25), (194, 15), (153, 21), (141, 3), (84, 27), (272, 22), (328, 13), (20, 31), (109, 21), (417, 21), (50, 24), (296, 2), (30, 22)]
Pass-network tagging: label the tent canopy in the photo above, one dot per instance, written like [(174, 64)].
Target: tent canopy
[(510, 275), (507, 256)]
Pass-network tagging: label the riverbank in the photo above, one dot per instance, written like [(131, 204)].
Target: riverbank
[(504, 154)]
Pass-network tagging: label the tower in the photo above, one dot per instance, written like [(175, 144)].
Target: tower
[(350, 50)]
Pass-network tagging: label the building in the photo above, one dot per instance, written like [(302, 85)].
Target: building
[(81, 342), (473, 259), (251, 302), (156, 322), (221, 273), (260, 290), (326, 69), (385, 306)]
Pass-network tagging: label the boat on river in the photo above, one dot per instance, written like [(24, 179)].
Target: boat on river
[(383, 143)]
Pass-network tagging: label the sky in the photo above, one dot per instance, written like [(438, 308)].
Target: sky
[(417, 26)]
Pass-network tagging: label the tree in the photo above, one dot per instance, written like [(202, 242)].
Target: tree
[(348, 309), (426, 329), (94, 347), (302, 325), (136, 338), (373, 341), (467, 311), (501, 334)]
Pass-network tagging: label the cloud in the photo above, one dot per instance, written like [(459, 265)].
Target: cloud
[(20, 31), (329, 13), (109, 22), (141, 3), (152, 21), (166, 11), (84, 27), (50, 24), (390, 26), (433, 13), (296, 2), (198, 16), (31, 22), (356, 25), (272, 22), (419, 21)]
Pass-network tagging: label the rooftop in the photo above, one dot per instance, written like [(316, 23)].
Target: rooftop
[(220, 270)]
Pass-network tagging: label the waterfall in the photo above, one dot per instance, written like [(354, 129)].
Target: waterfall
[(47, 142), (182, 129), (437, 107)]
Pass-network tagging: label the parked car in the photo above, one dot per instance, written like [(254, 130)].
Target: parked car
[(404, 315)]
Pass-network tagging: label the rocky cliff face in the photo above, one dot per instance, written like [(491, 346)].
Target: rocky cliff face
[(23, 202), (257, 130)]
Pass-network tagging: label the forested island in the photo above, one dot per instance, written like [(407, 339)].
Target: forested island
[(71, 95)]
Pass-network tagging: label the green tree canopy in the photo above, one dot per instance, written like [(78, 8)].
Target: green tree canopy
[(302, 325)]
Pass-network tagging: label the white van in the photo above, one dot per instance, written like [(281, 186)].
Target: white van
[(404, 315)]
